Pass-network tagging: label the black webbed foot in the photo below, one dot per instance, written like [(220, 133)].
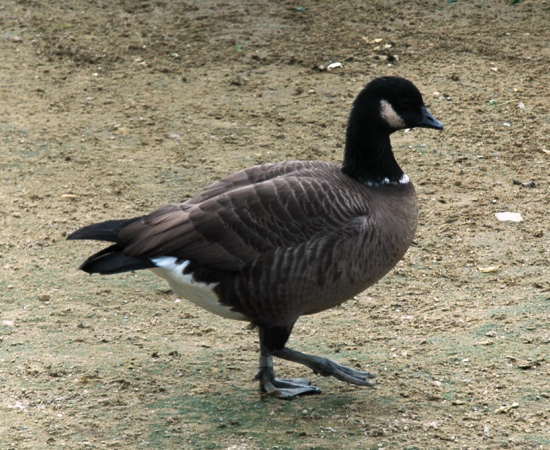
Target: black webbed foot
[(326, 367), (284, 388)]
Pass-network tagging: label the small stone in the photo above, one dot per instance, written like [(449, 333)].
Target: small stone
[(488, 269), (508, 217), (334, 65), (485, 342), (9, 36), (527, 184), (44, 298), (175, 136), (123, 131), (238, 80), (526, 364), (506, 408)]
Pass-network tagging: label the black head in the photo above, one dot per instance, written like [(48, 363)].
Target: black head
[(385, 105), (394, 103)]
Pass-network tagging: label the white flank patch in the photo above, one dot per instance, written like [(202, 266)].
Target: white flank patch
[(389, 114), (184, 285)]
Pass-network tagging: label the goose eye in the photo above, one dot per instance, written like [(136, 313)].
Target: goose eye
[(409, 106)]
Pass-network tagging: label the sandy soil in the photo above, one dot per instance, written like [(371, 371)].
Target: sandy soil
[(109, 109)]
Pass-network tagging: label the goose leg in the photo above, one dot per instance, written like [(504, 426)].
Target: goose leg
[(326, 367), (278, 387)]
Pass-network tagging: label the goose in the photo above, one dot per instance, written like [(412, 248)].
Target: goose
[(277, 241)]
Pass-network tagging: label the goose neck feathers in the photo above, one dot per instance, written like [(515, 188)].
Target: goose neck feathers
[(368, 156)]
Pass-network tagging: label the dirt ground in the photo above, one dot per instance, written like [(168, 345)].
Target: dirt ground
[(110, 109)]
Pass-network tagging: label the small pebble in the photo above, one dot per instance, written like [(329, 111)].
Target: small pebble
[(508, 217), (334, 65)]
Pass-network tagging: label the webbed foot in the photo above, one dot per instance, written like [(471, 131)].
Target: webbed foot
[(326, 367), (284, 388)]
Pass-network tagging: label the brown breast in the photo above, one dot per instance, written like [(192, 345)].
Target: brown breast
[(335, 265)]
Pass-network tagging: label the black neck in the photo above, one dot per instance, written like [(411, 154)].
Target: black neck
[(368, 155)]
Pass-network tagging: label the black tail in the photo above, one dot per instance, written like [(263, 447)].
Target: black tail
[(112, 259), (103, 231)]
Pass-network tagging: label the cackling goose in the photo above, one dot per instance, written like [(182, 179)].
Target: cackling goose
[(273, 242)]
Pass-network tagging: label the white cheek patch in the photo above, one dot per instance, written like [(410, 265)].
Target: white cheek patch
[(391, 117), (184, 285)]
